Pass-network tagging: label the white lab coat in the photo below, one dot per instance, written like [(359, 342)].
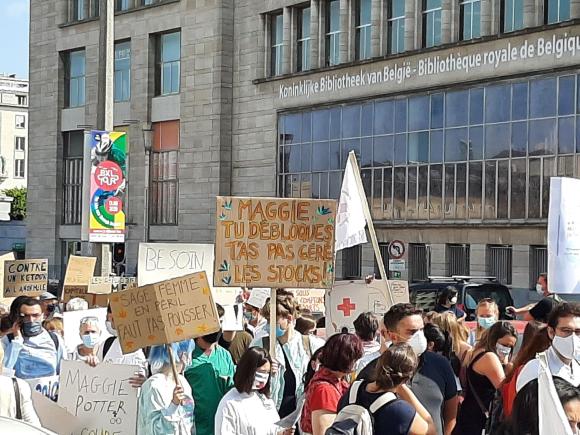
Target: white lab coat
[(246, 414), (8, 400)]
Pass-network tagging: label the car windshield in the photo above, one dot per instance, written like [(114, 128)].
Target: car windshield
[(474, 293)]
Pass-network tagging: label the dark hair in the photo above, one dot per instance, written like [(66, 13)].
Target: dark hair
[(251, 360), (497, 331), (395, 366), (5, 323), (566, 391), (539, 342), (304, 324), (566, 309), (341, 352), (441, 340), (397, 313), (220, 310), (530, 330), (15, 307), (109, 310), (212, 338), (366, 326), (321, 323), (309, 370), (446, 294)]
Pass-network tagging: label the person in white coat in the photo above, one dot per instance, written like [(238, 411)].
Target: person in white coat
[(247, 408)]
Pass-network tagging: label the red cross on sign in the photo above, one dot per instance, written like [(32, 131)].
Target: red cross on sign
[(346, 307)]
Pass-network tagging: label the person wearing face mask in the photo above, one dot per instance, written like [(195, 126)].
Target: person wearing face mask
[(166, 407), (434, 383), (447, 301), (247, 409), (539, 311), (564, 352), (486, 314), (31, 351), (254, 319), (90, 334), (485, 374), (49, 304)]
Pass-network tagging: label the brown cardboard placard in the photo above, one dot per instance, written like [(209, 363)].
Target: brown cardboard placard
[(25, 277), (79, 270), (165, 312), (273, 242), (81, 291), (311, 299)]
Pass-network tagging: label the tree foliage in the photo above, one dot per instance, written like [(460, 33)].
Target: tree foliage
[(18, 207)]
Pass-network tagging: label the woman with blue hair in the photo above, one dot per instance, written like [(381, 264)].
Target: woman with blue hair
[(166, 407)]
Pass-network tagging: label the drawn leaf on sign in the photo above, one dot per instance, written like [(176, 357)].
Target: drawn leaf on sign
[(224, 267), (179, 331), (222, 217), (130, 344), (322, 210), (202, 328), (227, 279), (227, 205), (151, 337), (115, 298), (205, 291), (122, 314), (330, 268), (331, 221)]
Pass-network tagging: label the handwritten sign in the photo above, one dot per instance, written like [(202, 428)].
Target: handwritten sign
[(79, 271), (53, 417), (270, 242), (311, 299), (47, 386), (108, 284), (25, 277), (100, 397), (82, 291), (258, 297), (164, 312), (9, 256)]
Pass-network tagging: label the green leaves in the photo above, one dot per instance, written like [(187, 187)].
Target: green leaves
[(224, 267), (322, 210)]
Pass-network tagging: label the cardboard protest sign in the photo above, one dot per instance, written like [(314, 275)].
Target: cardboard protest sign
[(53, 417), (72, 321), (79, 271), (9, 256), (82, 291), (100, 397), (108, 284), (258, 297), (311, 299), (25, 277), (164, 312), (271, 242), (48, 386)]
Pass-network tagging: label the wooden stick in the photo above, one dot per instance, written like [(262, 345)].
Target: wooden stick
[(273, 338), (173, 366)]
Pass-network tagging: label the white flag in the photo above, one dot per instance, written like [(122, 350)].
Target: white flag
[(350, 218)]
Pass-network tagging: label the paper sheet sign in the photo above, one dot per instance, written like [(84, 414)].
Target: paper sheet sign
[(258, 297), (164, 312), (25, 277), (79, 270), (311, 299), (9, 256), (272, 242)]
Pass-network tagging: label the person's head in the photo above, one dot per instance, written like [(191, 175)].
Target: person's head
[(4, 309), (500, 339), (5, 325), (15, 308), (49, 303), (531, 346), (160, 362), (110, 322), (252, 314), (404, 324), (430, 317), (542, 284), (564, 330), (306, 325), (341, 352), (531, 329), (569, 396), (457, 331), (487, 313), (253, 371), (30, 317), (77, 304), (438, 340), (206, 341), (448, 296), (54, 324), (395, 366), (366, 326), (286, 311), (312, 368), (90, 331)]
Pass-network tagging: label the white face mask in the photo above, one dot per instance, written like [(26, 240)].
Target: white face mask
[(260, 380), (110, 328), (568, 347), (502, 351), (418, 342), (453, 300), (539, 289)]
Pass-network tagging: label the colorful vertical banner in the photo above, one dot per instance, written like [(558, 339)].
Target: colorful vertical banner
[(108, 185)]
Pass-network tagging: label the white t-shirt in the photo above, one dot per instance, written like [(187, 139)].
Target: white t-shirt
[(570, 373), (246, 414), (8, 400), (115, 356)]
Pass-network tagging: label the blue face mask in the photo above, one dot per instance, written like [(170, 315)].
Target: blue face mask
[(279, 331), (486, 322), (90, 340), (248, 315), (31, 329)]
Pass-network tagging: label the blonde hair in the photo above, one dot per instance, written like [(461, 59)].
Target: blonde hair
[(286, 305), (459, 333), (54, 324), (479, 331)]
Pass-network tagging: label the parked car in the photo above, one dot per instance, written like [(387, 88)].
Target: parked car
[(470, 290)]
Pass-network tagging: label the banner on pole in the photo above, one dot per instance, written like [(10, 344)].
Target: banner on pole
[(272, 242), (25, 277), (108, 185)]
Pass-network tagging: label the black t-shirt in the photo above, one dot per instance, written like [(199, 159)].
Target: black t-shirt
[(394, 418), (459, 313), (541, 311)]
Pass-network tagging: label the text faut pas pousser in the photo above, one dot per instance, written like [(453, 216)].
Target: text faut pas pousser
[(557, 47)]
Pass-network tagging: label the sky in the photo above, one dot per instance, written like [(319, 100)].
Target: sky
[(14, 37)]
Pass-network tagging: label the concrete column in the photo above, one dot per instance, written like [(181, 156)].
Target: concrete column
[(455, 15), (315, 37), (412, 16), (376, 27), (574, 9), (264, 57), (446, 21), (486, 17), (287, 40), (345, 31)]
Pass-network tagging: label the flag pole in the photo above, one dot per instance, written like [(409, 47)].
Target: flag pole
[(369, 219)]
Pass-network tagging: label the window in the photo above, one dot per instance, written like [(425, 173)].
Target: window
[(431, 23), (164, 177), (457, 260), (556, 11), (499, 263), (148, 2), (75, 78), (513, 15), (20, 143), (363, 29), (332, 32), (470, 19), (20, 121), (396, 33), (18, 168), (384, 248), (169, 55), (122, 71), (352, 262), (21, 99), (78, 12), (276, 44), (73, 144), (303, 45), (538, 263), (419, 262), (121, 5)]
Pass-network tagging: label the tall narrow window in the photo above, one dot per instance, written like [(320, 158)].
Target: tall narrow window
[(363, 29), (78, 10), (396, 26), (19, 143), (20, 121), (556, 11), (303, 45), (499, 262), (72, 181), (164, 175), (122, 71), (431, 23), (470, 19), (276, 44), (169, 65), (75, 78), (122, 5), (332, 32), (512, 15), (19, 165)]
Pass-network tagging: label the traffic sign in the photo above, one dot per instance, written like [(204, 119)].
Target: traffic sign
[(396, 249)]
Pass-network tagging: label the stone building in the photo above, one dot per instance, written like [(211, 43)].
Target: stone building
[(459, 113)]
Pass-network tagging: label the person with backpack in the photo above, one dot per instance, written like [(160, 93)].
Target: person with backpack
[(30, 350), (385, 406), (485, 374), (337, 360)]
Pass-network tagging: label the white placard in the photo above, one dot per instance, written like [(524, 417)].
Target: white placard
[(101, 397), (397, 265), (53, 417), (72, 322), (48, 386), (233, 319), (258, 297)]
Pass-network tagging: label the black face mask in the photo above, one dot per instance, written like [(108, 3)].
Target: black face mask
[(53, 308)]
